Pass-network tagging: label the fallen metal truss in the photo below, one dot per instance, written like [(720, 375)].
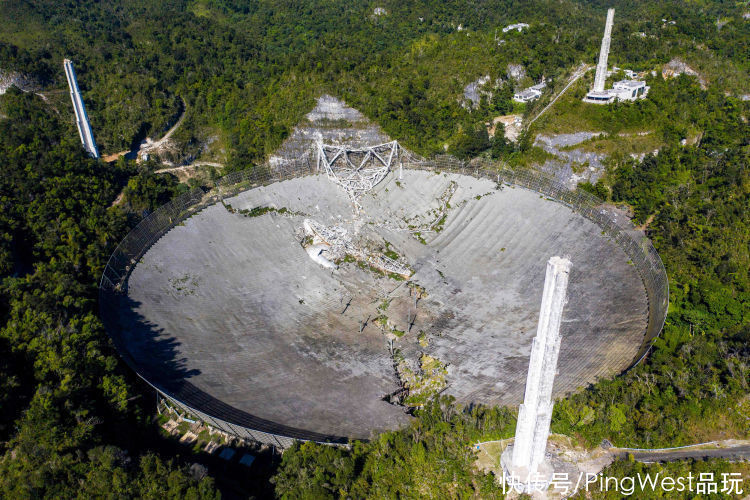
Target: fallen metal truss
[(357, 170), (340, 243)]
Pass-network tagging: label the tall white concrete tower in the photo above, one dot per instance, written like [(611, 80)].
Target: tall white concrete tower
[(601, 67), (524, 462), (597, 95), (82, 119)]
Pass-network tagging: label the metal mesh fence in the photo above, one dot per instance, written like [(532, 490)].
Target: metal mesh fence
[(113, 284)]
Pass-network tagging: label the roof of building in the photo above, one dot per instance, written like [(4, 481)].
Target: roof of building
[(527, 93), (631, 84), (607, 95)]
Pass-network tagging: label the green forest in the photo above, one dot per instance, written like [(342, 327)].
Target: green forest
[(75, 421)]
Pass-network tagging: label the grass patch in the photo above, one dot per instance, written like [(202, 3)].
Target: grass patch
[(390, 253), (533, 156), (367, 267), (383, 322), (623, 144), (571, 114), (348, 258), (184, 285), (423, 383), (440, 225), (488, 455), (418, 289), (258, 211)]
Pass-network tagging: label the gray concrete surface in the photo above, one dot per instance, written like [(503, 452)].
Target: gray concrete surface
[(332, 122), (235, 305), (568, 165), (741, 453)]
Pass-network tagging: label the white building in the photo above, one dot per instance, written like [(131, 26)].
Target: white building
[(530, 94), (597, 94), (518, 27), (527, 95), (629, 90), (603, 97), (624, 90), (539, 86)]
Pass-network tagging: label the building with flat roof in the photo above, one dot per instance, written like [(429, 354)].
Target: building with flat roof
[(630, 90), (624, 90), (527, 95), (531, 93), (603, 97), (597, 94)]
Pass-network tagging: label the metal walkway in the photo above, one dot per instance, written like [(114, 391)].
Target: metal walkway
[(82, 119)]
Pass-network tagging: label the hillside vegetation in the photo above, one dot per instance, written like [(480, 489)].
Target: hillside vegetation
[(248, 76)]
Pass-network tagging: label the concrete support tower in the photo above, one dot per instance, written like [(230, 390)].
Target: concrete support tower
[(601, 67), (597, 95), (82, 119), (525, 461)]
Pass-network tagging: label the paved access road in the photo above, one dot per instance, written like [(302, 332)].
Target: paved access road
[(739, 453), (732, 450)]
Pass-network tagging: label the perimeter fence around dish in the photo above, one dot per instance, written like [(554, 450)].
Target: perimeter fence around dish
[(114, 281)]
